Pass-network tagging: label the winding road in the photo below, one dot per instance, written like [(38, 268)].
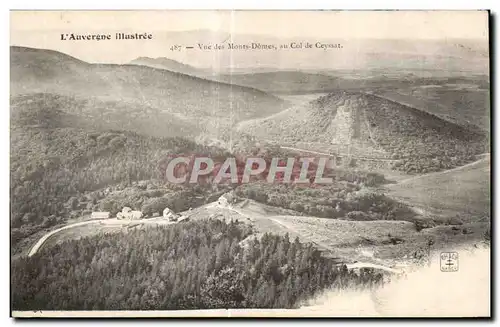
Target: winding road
[(110, 221), (35, 248)]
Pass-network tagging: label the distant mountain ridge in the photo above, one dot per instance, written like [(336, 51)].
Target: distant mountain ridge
[(168, 64), (454, 54), (274, 81), (281, 81)]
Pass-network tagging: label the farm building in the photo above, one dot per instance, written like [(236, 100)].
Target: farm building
[(129, 214), (226, 199), (170, 215), (100, 215)]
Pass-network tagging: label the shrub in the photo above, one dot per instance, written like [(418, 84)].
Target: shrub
[(358, 215)]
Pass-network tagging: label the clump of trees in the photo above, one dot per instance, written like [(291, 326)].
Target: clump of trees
[(337, 200), (59, 173), (198, 265)]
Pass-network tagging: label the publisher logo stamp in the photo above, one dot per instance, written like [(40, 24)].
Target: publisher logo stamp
[(449, 261)]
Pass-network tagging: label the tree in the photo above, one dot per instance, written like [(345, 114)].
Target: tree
[(223, 290)]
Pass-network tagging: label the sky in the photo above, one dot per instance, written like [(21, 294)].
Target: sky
[(42, 29)]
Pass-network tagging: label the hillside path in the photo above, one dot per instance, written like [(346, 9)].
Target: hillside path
[(321, 245)]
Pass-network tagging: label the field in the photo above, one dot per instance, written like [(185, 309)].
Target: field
[(464, 191), (387, 243)]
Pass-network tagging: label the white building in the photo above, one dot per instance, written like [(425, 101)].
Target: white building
[(170, 215), (129, 214), (226, 199)]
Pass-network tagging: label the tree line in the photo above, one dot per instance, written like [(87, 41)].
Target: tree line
[(197, 265)]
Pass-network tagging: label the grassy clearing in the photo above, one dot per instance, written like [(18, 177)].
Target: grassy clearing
[(464, 192)]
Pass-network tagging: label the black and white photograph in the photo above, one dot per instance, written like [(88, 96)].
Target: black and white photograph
[(240, 163)]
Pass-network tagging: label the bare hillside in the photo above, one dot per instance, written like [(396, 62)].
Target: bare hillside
[(214, 106), (464, 190), (422, 141), (54, 110), (168, 64)]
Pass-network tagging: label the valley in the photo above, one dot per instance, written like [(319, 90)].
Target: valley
[(391, 244)]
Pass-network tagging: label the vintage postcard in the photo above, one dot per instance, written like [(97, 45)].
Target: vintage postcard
[(250, 163)]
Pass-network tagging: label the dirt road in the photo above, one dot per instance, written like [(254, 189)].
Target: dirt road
[(256, 216), (44, 238), (37, 246)]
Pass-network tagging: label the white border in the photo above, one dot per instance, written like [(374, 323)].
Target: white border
[(259, 4)]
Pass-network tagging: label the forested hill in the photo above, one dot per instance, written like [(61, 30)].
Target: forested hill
[(63, 172), (198, 265)]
